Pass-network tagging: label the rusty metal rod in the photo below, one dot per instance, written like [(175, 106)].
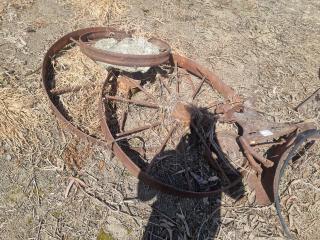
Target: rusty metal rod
[(266, 162), (60, 91), (177, 77), (136, 102), (248, 155), (198, 88), (138, 129), (123, 120), (307, 100), (177, 85), (211, 105), (162, 147), (142, 89)]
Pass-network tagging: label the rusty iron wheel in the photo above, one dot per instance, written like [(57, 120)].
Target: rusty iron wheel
[(204, 74), (182, 114)]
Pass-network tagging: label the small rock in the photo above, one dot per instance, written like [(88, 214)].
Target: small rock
[(6, 146), (252, 236), (116, 229), (205, 201), (30, 29), (213, 179), (8, 157)]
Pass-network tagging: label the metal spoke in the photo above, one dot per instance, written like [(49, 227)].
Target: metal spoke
[(138, 129), (123, 120), (142, 89), (136, 102), (177, 85), (177, 78), (211, 105), (198, 88), (162, 147), (60, 91), (250, 158)]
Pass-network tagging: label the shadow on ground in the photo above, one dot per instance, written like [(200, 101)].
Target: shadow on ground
[(185, 218)]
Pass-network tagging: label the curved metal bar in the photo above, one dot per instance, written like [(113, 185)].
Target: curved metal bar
[(47, 84), (120, 59), (312, 134), (249, 156), (266, 162), (202, 72)]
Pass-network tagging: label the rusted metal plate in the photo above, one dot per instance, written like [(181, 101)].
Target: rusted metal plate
[(254, 182)]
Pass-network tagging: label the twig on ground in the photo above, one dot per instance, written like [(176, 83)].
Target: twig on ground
[(37, 190), (39, 229), (206, 220)]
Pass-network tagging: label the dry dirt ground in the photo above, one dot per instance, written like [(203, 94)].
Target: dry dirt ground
[(267, 49)]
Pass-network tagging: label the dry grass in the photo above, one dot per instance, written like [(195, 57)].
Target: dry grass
[(300, 194), (18, 4), (103, 10), (72, 68), (21, 4), (75, 69), (16, 107), (2, 6)]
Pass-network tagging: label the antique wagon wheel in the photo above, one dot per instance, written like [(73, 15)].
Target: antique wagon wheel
[(205, 77), (171, 108)]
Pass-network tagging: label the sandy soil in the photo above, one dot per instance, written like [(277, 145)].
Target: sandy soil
[(268, 49)]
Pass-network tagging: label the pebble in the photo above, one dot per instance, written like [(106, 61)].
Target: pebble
[(30, 29), (6, 146), (205, 201), (8, 157)]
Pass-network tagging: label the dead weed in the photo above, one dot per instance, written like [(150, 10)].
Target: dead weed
[(16, 107), (100, 9)]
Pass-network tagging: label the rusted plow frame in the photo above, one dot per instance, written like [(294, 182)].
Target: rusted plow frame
[(253, 130)]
